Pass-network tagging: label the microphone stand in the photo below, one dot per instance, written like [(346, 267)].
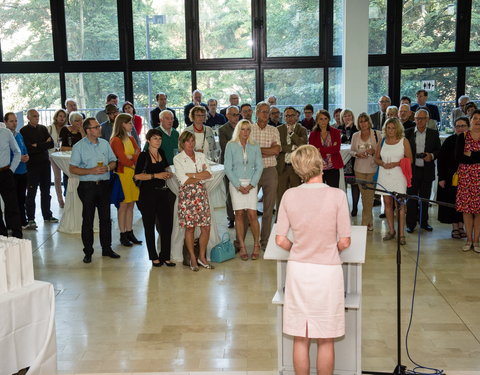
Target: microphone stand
[(401, 199)]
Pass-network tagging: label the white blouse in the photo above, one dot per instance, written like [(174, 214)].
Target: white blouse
[(184, 164)]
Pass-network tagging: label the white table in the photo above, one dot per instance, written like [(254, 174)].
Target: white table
[(346, 156), (27, 330), (178, 233), (71, 221)]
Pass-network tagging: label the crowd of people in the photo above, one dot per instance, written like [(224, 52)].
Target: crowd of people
[(396, 146)]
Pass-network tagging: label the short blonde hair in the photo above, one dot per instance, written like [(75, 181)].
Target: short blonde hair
[(365, 116), (195, 109), (307, 162), (238, 127), (392, 108), (399, 130), (344, 112), (184, 137)]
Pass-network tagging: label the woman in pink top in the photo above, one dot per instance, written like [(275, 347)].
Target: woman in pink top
[(314, 292)]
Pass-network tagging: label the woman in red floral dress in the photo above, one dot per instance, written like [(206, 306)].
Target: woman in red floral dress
[(467, 152)]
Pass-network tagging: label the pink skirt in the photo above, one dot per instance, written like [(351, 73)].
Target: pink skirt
[(314, 300)]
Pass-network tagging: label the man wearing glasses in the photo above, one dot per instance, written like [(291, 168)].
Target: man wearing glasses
[(92, 160), (274, 118), (425, 144), (107, 126), (460, 110), (379, 118), (225, 134), (292, 136)]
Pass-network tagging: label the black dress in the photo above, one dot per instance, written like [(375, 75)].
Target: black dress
[(447, 166), (156, 203)]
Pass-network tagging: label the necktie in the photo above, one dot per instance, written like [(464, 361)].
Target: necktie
[(383, 120)]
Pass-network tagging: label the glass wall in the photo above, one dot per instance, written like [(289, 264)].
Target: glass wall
[(475, 27), (334, 89), (293, 28), (92, 30), (377, 86), (428, 26), (26, 31), (225, 28), (159, 29)]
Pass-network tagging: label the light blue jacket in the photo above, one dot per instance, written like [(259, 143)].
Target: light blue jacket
[(235, 166)]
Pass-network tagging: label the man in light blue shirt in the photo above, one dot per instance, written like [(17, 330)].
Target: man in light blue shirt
[(92, 159), (8, 164)]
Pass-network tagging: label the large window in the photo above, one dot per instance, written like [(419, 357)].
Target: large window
[(428, 26), (472, 84), (159, 29), (225, 28), (377, 86), (292, 28), (91, 89), (475, 27), (26, 30), (295, 87), (92, 30), (334, 88), (219, 84)]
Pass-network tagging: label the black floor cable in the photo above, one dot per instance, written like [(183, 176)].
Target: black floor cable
[(418, 369)]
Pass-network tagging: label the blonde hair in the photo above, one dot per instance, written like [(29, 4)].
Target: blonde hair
[(392, 108), (399, 131), (118, 129), (55, 116), (344, 112), (307, 162), (236, 132), (184, 137), (366, 116), (195, 109)]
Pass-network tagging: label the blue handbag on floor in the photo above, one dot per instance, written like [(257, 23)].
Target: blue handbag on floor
[(223, 251)]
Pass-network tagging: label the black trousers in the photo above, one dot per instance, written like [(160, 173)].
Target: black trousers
[(21, 183), (156, 207), (229, 207), (423, 188), (332, 177), (12, 214), (39, 174), (95, 196)]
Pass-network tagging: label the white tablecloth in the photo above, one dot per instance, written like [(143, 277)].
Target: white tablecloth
[(71, 221), (345, 152), (178, 233), (27, 330)]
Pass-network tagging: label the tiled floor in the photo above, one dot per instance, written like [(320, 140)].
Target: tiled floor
[(123, 316)]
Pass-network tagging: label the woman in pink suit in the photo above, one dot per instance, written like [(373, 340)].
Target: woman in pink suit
[(314, 292)]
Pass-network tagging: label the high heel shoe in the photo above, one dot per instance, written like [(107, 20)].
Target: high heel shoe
[(124, 240), (169, 263), (389, 236), (159, 264), (193, 268), (131, 237), (467, 246), (205, 265), (256, 252), (243, 254)]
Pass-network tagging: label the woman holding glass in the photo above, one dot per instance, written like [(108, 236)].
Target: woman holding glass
[(55, 129), (192, 171), (327, 140), (69, 135), (156, 200), (390, 176), (364, 144), (204, 137), (314, 305), (243, 167), (126, 150)]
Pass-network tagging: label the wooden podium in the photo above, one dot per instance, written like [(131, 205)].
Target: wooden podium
[(348, 354)]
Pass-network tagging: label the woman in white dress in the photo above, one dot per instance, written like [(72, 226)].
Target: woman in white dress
[(390, 151), (243, 167)]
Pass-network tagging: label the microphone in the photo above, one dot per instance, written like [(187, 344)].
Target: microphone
[(353, 180)]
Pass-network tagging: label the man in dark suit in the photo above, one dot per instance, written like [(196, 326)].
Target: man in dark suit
[(161, 99), (425, 144), (379, 118), (292, 136), (234, 99), (422, 97)]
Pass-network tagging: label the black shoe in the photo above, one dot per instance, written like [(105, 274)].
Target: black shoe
[(87, 259), (382, 215), (231, 224), (110, 253), (131, 237), (410, 229), (124, 240), (169, 263), (259, 213), (427, 227), (159, 264)]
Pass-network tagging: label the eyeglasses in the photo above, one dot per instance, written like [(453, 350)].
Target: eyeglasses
[(384, 101), (275, 113), (420, 118), (290, 116), (94, 127), (461, 126), (234, 114), (200, 115), (112, 113)]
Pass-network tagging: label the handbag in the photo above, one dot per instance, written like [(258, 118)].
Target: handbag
[(455, 179), (223, 251), (138, 183)]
